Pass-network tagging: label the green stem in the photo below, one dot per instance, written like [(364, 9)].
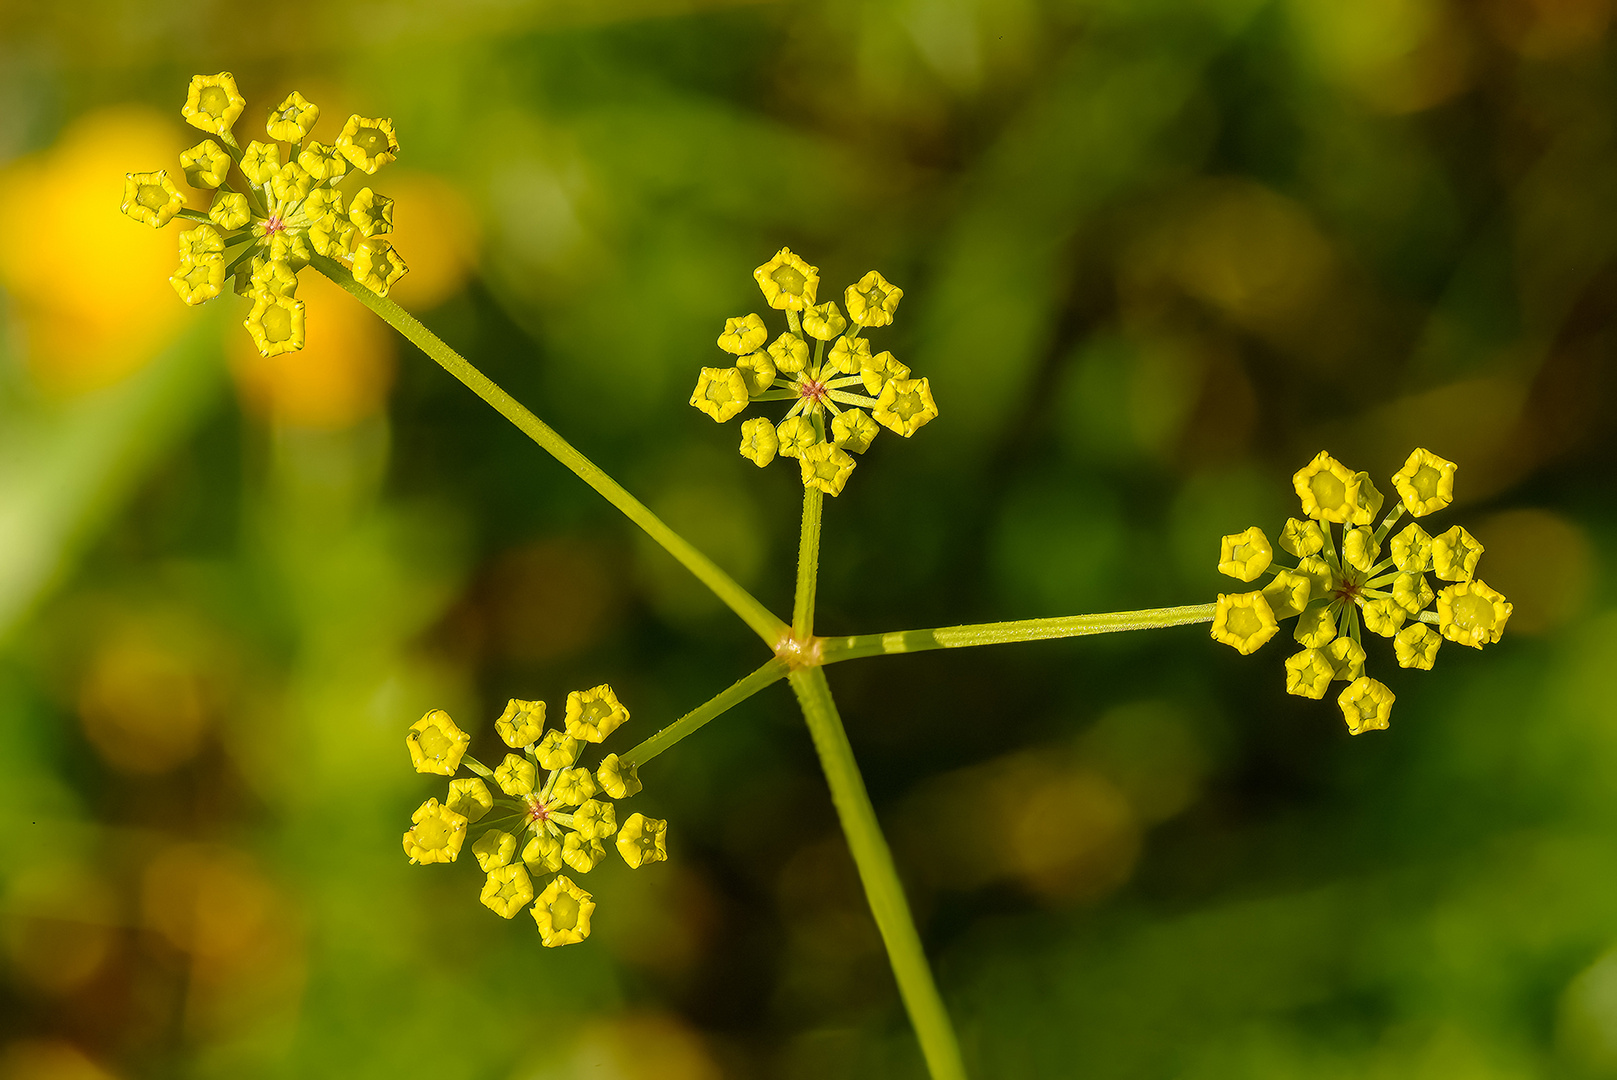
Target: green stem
[(772, 672), (956, 637), (879, 876), (764, 623), (808, 564)]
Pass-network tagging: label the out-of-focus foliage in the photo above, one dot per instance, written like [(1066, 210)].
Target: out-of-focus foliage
[(1155, 255)]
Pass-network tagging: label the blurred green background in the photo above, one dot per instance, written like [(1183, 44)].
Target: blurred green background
[(1155, 256)]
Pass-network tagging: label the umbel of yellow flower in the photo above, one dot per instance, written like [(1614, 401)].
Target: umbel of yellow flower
[(275, 212), (1371, 575), (550, 812), (841, 394)]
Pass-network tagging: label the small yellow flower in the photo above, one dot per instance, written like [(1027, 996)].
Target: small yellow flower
[(1412, 592), (643, 840), (557, 750), (1302, 537), (573, 786), (1470, 613), (470, 798), (1367, 500), (905, 406), (788, 283), (849, 355), (516, 776), (436, 744), (879, 370), (323, 162), (1360, 548), (368, 143), (618, 778), (826, 467), (1455, 555), (507, 890), (743, 335), (522, 723), (759, 441), (1384, 616), (1366, 705), (205, 165), (1416, 646), (151, 198), (854, 430), (543, 853), (592, 715), (1309, 673), (594, 819), (1346, 657), (292, 119), (333, 236), (229, 210), (1243, 621), (494, 849), (1318, 573), (795, 435), (873, 300), (273, 277), (291, 248), (199, 280), (292, 184), (437, 835), (1288, 593), (212, 103), (562, 913), (757, 371), (720, 392), (789, 353), (261, 161), (372, 214), (325, 202), (823, 322), (1412, 549), (1328, 490), (1425, 483), (1246, 555), (582, 853), (1315, 627), (376, 265), (199, 242)]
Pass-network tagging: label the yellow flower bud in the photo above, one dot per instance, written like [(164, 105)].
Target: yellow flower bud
[(905, 406), (1472, 614), (290, 248), (292, 183), (1367, 502), (212, 103), (1360, 548), (261, 161), (368, 143), (151, 198), (795, 435), (618, 778), (643, 840), (1318, 573), (1366, 705), (1246, 555), (557, 750), (854, 430), (759, 441), (229, 210), (1425, 483), (1288, 593), (543, 853), (826, 467), (205, 165), (1412, 549), (372, 214), (292, 119), (323, 162), (872, 301), (516, 776), (1412, 592), (376, 265), (582, 853), (789, 353), (823, 321), (200, 279), (521, 723), (720, 392), (788, 283), (849, 355), (1315, 627), (1416, 646), (494, 848), (333, 236), (1302, 537), (743, 335), (323, 202), (1346, 657), (507, 890), (199, 242), (594, 714), (757, 371), (436, 744), (595, 819), (1455, 555), (1308, 673), (437, 835), (1329, 492), (273, 277), (1384, 616), (879, 370), (470, 798), (562, 913), (1243, 621), (573, 786)]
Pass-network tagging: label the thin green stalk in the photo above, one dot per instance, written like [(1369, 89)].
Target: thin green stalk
[(956, 637), (808, 564), (763, 622), (770, 673), (880, 877)]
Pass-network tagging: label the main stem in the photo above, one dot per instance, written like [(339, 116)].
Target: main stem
[(956, 637), (763, 622)]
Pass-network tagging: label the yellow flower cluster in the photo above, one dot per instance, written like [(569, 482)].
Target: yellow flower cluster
[(268, 215), (829, 417), (1336, 585), (547, 815)]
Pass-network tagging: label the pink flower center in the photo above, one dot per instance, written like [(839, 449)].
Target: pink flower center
[(813, 391), (538, 812), (273, 225)]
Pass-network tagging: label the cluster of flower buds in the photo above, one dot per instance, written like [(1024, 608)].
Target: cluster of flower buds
[(268, 214), (547, 815), (830, 390), (1336, 585)]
